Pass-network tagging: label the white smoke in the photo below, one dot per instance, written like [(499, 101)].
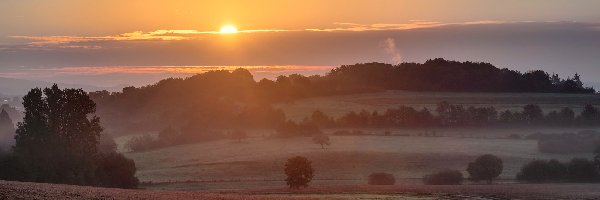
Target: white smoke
[(390, 48)]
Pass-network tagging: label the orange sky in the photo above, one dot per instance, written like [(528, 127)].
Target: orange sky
[(59, 36), (90, 17)]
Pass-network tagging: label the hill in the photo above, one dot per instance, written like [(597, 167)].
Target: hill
[(235, 99)]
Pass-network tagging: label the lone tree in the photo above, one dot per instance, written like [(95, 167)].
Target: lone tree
[(299, 172), (486, 167), (321, 139)]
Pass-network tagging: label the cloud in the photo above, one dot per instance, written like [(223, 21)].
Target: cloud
[(79, 42)]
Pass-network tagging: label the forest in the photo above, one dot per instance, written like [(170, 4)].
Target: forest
[(235, 99)]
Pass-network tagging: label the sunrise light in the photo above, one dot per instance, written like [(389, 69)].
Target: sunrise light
[(228, 29)]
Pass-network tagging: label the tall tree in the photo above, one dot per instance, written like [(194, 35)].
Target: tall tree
[(58, 137)]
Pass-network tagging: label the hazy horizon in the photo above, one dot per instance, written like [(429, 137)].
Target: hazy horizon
[(73, 42)]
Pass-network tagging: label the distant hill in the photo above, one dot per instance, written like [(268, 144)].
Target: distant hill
[(222, 98), (12, 86)]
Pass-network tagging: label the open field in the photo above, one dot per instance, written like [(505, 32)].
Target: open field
[(258, 162), (339, 105), (19, 190)]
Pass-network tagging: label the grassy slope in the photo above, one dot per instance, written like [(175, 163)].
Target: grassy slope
[(258, 162)]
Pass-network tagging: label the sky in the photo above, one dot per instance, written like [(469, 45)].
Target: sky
[(137, 42)]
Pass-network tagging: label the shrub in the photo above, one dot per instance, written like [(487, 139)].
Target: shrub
[(542, 171), (299, 172), (381, 179), (486, 167), (582, 170), (445, 177), (114, 170)]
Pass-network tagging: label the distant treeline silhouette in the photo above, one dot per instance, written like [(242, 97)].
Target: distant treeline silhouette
[(449, 115), (234, 99)]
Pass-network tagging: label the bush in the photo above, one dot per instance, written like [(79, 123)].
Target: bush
[(582, 170), (486, 167), (299, 172), (114, 170), (445, 177), (542, 171), (381, 179)]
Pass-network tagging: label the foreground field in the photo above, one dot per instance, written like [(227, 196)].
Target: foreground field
[(18, 190), (258, 162), (339, 105)]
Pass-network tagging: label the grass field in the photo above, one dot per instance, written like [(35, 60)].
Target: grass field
[(339, 105), (257, 162)]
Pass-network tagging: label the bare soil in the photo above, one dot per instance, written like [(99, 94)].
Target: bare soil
[(23, 190)]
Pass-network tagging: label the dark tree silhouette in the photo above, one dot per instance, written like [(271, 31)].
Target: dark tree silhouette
[(321, 139), (299, 172), (542, 171), (486, 167), (582, 170), (57, 141)]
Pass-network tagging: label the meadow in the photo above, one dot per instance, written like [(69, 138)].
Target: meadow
[(257, 162)]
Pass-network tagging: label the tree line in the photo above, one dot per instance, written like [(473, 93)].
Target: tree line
[(451, 115), (203, 98)]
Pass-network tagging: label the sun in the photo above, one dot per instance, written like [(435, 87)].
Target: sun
[(228, 29)]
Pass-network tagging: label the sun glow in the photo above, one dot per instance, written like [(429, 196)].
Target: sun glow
[(228, 29)]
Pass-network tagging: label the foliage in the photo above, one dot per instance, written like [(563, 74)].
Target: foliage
[(543, 171), (582, 170), (299, 172), (444, 177), (485, 167), (449, 115), (57, 141), (381, 179), (224, 99), (321, 139), (114, 170), (576, 170)]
